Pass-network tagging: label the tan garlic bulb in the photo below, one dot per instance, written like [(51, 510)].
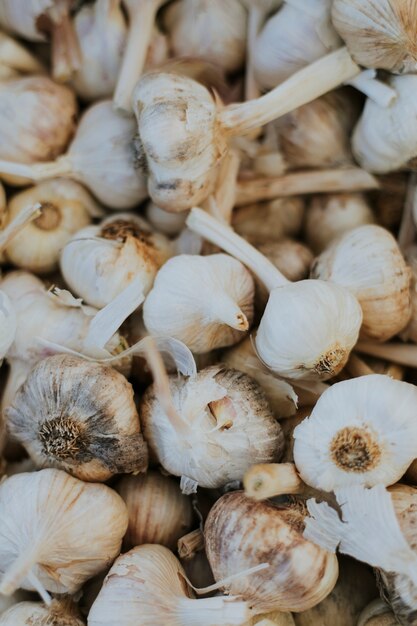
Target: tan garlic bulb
[(379, 33), (59, 613), (158, 511), (209, 29), (241, 533), (146, 586), (169, 224), (80, 417), (330, 216), (223, 425), (52, 537), (291, 257), (66, 207), (368, 262), (268, 221), (99, 261), (213, 317)]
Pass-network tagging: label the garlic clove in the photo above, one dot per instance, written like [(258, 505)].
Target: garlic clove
[(59, 613)]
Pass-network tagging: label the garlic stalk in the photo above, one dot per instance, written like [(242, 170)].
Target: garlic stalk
[(272, 479), (270, 221), (51, 537), (16, 56), (59, 613), (328, 337)]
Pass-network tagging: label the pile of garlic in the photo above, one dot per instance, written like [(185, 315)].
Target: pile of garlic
[(208, 312)]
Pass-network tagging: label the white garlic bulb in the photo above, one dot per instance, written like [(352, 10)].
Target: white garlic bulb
[(59, 613), (213, 317), (147, 586), (291, 257), (100, 261), (368, 262), (224, 424), (66, 207), (361, 431), (209, 29), (51, 536), (8, 324), (169, 224), (330, 216), (80, 417)]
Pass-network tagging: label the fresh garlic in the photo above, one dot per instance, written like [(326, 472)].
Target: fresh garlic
[(66, 207), (158, 511), (291, 257), (101, 31), (51, 536), (59, 613), (368, 262), (80, 417), (361, 432), (212, 30), (169, 224), (241, 533), (100, 261), (214, 317), (223, 425), (261, 223), (330, 216), (16, 57), (147, 586)]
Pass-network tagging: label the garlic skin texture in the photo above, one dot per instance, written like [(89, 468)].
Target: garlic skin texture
[(50, 529), (169, 224), (213, 317), (80, 417), (268, 221), (101, 260), (368, 262), (208, 29), (158, 511), (241, 533), (60, 613), (66, 207), (379, 33), (226, 427), (410, 331), (361, 432)]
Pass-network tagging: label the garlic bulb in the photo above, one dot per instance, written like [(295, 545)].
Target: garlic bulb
[(169, 224), (66, 207), (59, 613), (226, 425), (361, 431), (291, 257), (158, 511), (100, 261), (330, 216), (146, 586), (209, 29), (8, 323), (378, 33), (51, 537), (80, 417), (368, 262), (241, 533), (410, 331), (268, 221), (214, 317)]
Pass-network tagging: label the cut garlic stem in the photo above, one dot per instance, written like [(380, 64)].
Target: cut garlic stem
[(38, 171), (17, 571), (17, 57), (24, 217), (300, 183), (407, 231), (267, 480), (356, 367), (190, 543), (304, 86), (226, 310), (404, 354), (66, 54), (376, 90), (223, 236)]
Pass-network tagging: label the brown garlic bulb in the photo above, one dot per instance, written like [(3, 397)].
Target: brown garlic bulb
[(241, 533), (158, 511), (58, 613), (268, 221), (80, 417)]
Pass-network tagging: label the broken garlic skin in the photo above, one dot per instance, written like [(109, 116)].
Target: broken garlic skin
[(60, 613), (80, 417), (241, 533)]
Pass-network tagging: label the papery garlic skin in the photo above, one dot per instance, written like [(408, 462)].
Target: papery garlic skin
[(241, 533), (27, 613), (269, 220), (361, 432), (170, 224), (59, 528), (227, 426), (368, 262)]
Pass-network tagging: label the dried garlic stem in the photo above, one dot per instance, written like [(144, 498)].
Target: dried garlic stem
[(38, 171), (356, 367), (17, 57), (66, 53), (404, 354), (24, 217), (190, 544), (222, 202), (300, 183), (267, 480), (379, 92), (255, 19)]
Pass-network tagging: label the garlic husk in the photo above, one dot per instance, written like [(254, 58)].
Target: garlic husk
[(211, 30), (270, 220), (226, 425), (59, 613), (368, 262), (361, 432), (158, 511), (101, 31), (80, 417), (147, 586), (204, 320), (378, 33), (99, 261), (169, 224), (291, 257), (51, 534), (330, 216), (66, 207), (17, 57), (241, 533)]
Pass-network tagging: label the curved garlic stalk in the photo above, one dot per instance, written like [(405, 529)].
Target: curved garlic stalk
[(328, 337), (59, 613), (103, 155), (167, 223), (361, 432), (51, 537), (17, 57)]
